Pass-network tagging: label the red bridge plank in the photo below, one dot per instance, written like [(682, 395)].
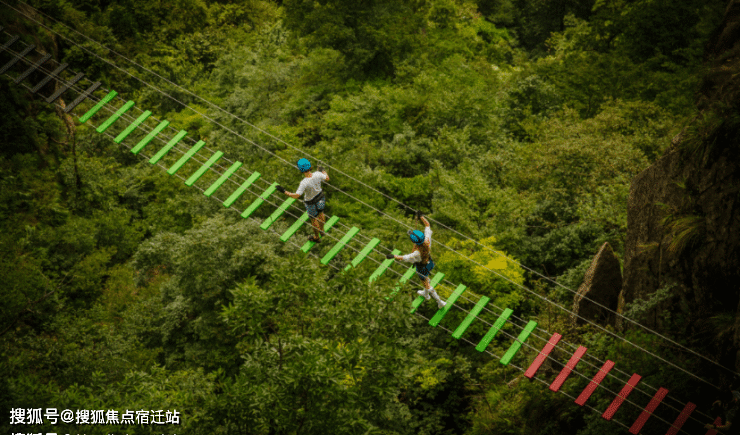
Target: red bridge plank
[(643, 418), (543, 354), (617, 402), (591, 387), (681, 419), (558, 382)]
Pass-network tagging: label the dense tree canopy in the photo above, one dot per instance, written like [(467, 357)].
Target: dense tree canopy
[(517, 123)]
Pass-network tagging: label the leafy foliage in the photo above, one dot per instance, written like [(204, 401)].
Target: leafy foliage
[(517, 122)]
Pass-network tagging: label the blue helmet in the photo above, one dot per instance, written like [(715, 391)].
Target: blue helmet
[(303, 165), (416, 236)]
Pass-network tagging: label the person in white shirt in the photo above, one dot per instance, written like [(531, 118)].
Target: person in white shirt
[(314, 197), (422, 259)]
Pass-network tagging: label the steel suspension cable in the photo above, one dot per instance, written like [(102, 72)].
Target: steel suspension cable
[(390, 217), (337, 170), (215, 106), (347, 175), (538, 378), (144, 82), (108, 134)]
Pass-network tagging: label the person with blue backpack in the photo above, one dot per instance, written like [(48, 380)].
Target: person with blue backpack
[(422, 259), (314, 198)]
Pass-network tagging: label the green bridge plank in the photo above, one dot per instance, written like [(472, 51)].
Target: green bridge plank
[(277, 213), (165, 149), (497, 325), (229, 172), (176, 167), (152, 134), (86, 117), (383, 266), (470, 317), (258, 202), (238, 192), (365, 251), (132, 127), (518, 343), (288, 234), (406, 276), (340, 244), (417, 303), (202, 170), (330, 223), (439, 315), (108, 122)]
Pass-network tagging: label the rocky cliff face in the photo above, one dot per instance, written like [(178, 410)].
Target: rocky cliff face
[(601, 286), (684, 211)]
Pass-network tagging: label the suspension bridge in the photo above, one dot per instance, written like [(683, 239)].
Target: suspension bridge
[(210, 171)]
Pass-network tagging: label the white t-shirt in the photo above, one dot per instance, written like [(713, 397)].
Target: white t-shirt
[(415, 256), (311, 186)]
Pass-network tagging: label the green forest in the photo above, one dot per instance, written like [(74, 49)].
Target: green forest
[(516, 126)]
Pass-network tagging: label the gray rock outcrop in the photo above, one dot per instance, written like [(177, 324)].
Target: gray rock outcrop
[(601, 286)]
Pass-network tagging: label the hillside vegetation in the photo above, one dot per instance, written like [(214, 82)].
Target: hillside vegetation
[(517, 123)]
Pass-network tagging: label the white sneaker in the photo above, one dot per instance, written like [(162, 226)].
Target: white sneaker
[(424, 293), (440, 302)]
